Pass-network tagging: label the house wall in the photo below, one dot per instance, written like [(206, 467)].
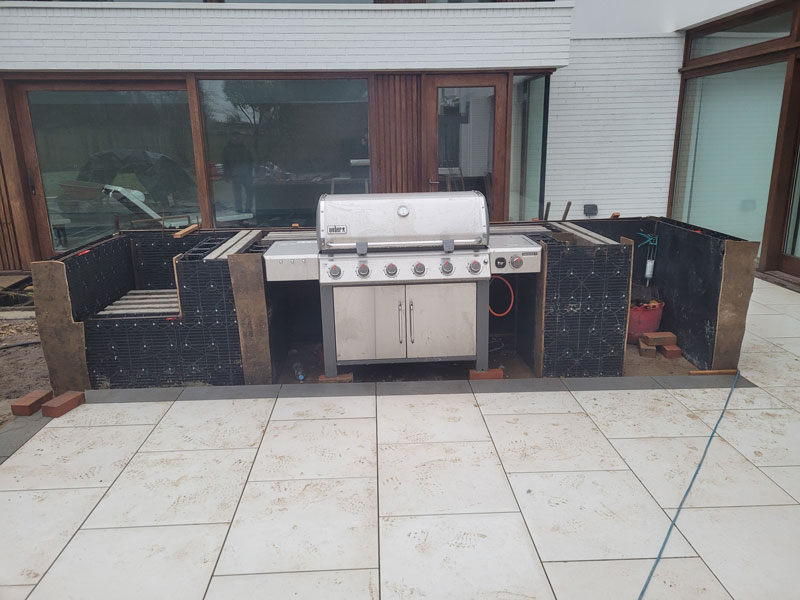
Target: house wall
[(611, 126), (275, 37)]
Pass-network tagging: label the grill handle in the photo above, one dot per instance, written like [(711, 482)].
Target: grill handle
[(400, 321), (411, 320)]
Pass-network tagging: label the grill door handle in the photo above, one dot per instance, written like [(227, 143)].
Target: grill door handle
[(400, 320), (411, 320)]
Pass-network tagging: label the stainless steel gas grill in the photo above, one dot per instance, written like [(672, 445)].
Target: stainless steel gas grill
[(404, 278)]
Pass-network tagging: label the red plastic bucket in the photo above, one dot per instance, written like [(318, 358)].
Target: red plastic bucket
[(644, 319)]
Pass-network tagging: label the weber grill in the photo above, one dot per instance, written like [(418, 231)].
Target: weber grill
[(404, 277)]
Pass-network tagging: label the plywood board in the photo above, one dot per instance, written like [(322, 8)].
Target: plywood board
[(738, 271), (249, 293), (63, 340)]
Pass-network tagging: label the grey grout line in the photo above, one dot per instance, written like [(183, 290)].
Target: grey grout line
[(540, 472), (593, 560), (689, 543), (292, 572), (516, 500), (454, 514), (321, 419), (327, 478), (378, 492), (772, 479), (80, 527), (55, 489), (239, 501), (438, 442), (104, 425), (157, 525), (194, 450)]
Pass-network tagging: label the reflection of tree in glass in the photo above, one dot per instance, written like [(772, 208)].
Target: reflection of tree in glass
[(247, 99)]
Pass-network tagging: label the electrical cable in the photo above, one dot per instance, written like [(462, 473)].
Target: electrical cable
[(19, 345), (510, 304), (689, 489)]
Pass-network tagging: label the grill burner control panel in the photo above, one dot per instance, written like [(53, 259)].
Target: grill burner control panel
[(514, 254), (412, 267)]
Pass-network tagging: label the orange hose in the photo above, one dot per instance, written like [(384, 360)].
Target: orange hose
[(510, 304)]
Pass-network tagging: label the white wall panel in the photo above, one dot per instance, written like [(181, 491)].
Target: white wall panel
[(271, 37), (612, 125)]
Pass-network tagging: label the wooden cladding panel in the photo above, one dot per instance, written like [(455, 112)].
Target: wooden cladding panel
[(9, 250), (395, 133)]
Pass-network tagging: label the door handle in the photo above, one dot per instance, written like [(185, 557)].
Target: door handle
[(400, 320), (432, 183), (411, 320)]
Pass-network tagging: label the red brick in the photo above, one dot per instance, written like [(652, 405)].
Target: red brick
[(660, 338), (61, 405), (670, 350), (490, 374), (340, 378), (646, 349), (30, 402)]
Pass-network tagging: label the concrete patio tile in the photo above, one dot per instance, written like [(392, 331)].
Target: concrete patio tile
[(133, 395), (774, 326), (567, 442), (791, 344), (596, 515), (175, 488), (441, 478), (790, 396), (780, 368), (130, 413), (765, 437), (460, 556), (714, 398), (36, 527), (326, 390), (15, 592), (324, 407), (774, 294), (582, 384), (754, 551), (3, 459), (328, 585), (72, 457), (666, 465), (230, 392), (786, 477), (135, 563), (422, 388), (210, 424), (520, 403), (793, 310), (490, 386), (646, 413), (324, 449), (674, 579), (319, 525), (754, 308), (430, 418), (695, 382)]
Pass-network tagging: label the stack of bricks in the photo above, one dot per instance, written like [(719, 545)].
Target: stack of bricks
[(664, 342), (51, 407)]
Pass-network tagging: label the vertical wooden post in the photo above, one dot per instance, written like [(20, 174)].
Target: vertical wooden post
[(200, 160)]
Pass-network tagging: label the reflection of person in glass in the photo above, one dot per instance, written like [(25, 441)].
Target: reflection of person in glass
[(237, 165)]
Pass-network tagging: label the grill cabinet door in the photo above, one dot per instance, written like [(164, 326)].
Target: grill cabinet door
[(441, 320), (370, 322)]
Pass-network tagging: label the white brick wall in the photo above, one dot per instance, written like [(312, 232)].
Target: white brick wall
[(269, 37), (612, 126)]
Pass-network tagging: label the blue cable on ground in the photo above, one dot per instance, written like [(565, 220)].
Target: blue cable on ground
[(688, 489)]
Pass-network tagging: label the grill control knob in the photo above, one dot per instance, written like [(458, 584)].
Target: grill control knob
[(391, 269), (363, 270), (447, 267), (335, 271), (516, 262), (474, 267), (419, 269)]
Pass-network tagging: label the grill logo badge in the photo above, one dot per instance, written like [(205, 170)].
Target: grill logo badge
[(337, 229)]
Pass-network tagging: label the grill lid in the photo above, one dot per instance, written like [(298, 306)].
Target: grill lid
[(361, 222)]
